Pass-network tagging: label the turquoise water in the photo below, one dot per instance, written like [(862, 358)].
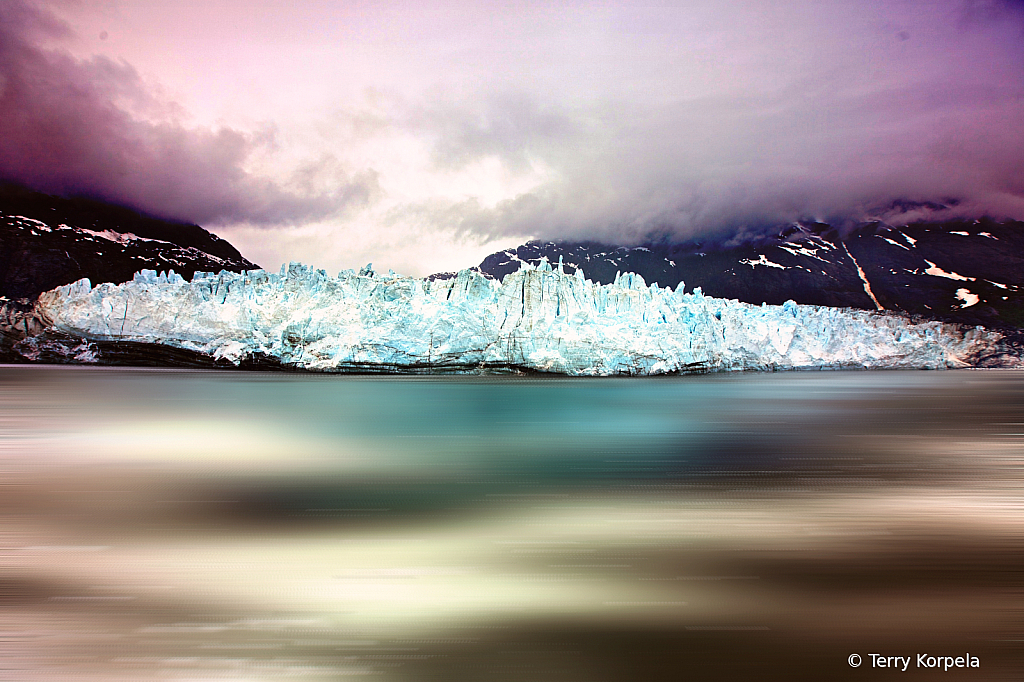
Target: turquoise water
[(227, 525)]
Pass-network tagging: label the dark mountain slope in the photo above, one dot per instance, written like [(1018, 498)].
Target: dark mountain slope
[(47, 241), (970, 272)]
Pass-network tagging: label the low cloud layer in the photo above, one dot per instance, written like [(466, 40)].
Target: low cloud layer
[(94, 128), (477, 124), (831, 112)]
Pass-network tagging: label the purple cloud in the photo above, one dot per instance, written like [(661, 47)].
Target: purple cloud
[(826, 110), (609, 120), (93, 128)]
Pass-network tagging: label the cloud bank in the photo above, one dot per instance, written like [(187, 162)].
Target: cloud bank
[(469, 122), (95, 128), (805, 110)]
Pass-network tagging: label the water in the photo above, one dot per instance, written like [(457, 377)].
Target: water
[(260, 526)]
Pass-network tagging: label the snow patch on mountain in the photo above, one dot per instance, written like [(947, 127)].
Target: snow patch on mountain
[(802, 250), (936, 271), (967, 297), (114, 236), (762, 260), (863, 279), (894, 243)]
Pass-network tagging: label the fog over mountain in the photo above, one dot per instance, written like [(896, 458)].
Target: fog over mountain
[(423, 136)]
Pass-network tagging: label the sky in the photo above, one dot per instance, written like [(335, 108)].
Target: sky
[(423, 135)]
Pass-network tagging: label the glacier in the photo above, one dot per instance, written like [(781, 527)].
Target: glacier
[(539, 318)]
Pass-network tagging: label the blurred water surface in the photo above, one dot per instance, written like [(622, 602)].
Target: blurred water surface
[(265, 526)]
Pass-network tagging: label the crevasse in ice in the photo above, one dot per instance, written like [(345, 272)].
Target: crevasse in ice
[(538, 318)]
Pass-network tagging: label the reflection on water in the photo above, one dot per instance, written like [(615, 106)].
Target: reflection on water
[(246, 526)]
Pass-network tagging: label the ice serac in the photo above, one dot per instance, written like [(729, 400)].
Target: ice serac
[(539, 318)]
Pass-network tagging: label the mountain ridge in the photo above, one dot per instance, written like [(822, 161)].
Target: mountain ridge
[(47, 241), (964, 271)]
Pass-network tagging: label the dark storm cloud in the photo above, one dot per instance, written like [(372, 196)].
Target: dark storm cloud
[(94, 128), (608, 120), (835, 111)]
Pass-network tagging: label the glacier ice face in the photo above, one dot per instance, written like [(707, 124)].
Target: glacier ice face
[(539, 318)]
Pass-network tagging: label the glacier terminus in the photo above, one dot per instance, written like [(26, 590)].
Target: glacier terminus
[(537, 319)]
